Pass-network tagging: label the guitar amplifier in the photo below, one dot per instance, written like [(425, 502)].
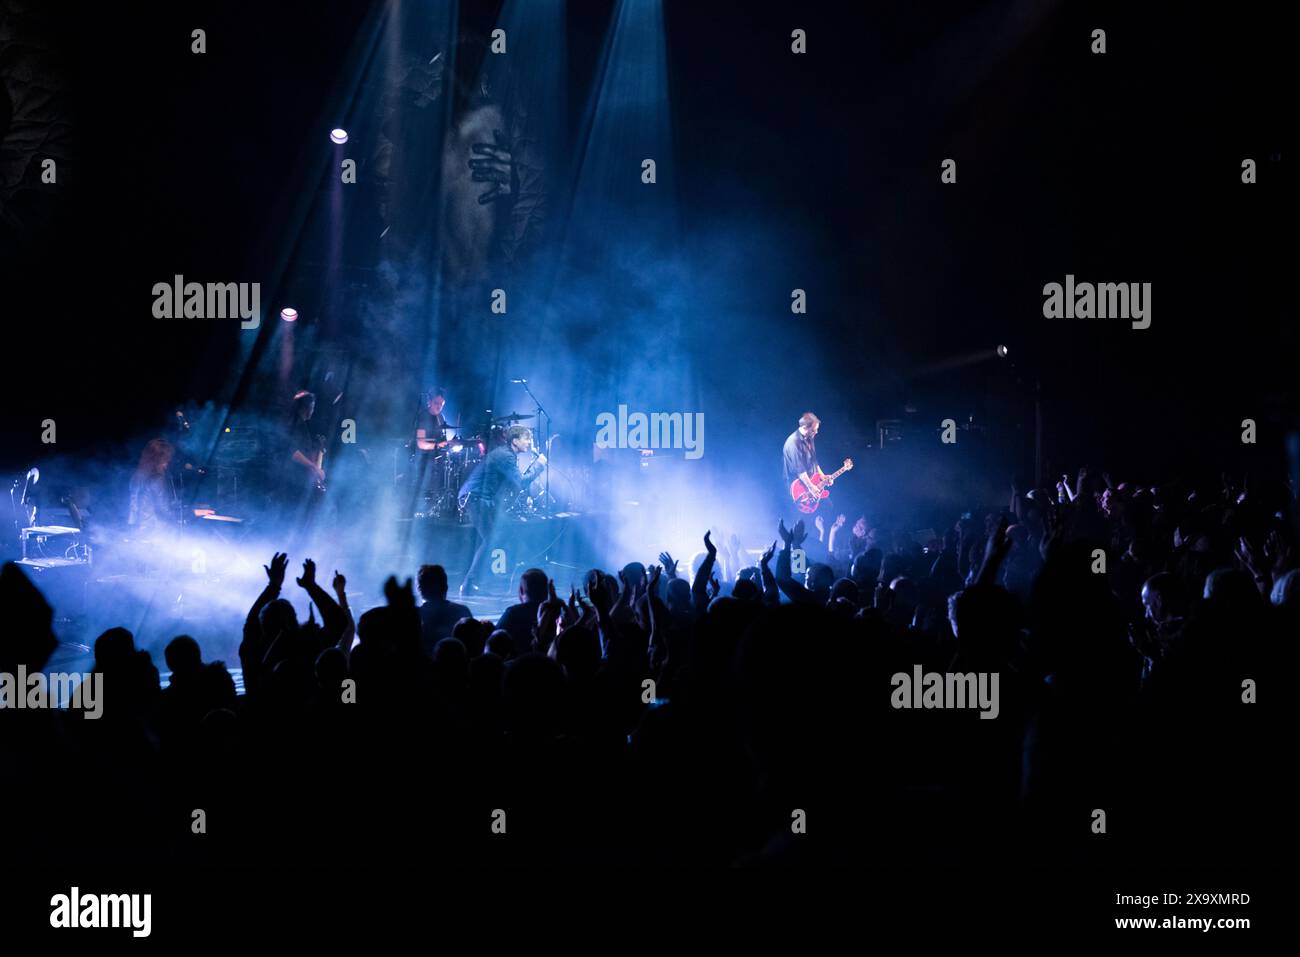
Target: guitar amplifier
[(52, 546), (237, 445)]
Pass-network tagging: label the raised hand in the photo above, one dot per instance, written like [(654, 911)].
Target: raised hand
[(767, 555), (493, 163), (624, 593), (275, 571), (999, 542), (1249, 558), (340, 583), (715, 588), (839, 521), (1280, 552), (598, 595), (548, 618), (799, 533), (1053, 529), (670, 565), (571, 614), (654, 579), (399, 596), (553, 601), (787, 536), (308, 574), (709, 546), (820, 526)]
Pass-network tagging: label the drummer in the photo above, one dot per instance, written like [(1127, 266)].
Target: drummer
[(431, 427)]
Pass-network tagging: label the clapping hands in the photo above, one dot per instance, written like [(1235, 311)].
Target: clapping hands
[(275, 571)]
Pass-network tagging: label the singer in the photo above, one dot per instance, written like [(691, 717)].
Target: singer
[(483, 492)]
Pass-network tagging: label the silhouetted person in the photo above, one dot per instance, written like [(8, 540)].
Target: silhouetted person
[(437, 615), (521, 619)]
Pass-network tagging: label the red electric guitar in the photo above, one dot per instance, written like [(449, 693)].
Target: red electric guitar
[(808, 502)]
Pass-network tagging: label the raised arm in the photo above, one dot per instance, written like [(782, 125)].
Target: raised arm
[(793, 538), (658, 644), (699, 588), (254, 646), (350, 632), (771, 594), (333, 621), (995, 552), (670, 566), (835, 528)]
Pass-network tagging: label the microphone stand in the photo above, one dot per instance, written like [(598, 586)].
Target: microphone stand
[(544, 423)]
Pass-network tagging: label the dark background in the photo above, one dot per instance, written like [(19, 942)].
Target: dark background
[(824, 170)]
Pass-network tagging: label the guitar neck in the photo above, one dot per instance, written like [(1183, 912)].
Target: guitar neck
[(835, 475)]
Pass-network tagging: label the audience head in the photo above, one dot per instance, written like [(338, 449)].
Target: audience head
[(115, 648), (866, 568), (278, 617), (532, 586), (472, 634), (1163, 598), (182, 655), (634, 573), (500, 643), (819, 577), (678, 598), (432, 582), (847, 589)]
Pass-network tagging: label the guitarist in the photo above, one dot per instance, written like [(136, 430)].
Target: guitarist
[(304, 481), (800, 453)]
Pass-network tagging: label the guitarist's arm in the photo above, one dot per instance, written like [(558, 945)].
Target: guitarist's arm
[(316, 472), (808, 484)]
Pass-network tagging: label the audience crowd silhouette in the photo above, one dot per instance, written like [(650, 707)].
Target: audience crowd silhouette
[(738, 714)]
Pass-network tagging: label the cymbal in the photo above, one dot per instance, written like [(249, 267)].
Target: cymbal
[(514, 417)]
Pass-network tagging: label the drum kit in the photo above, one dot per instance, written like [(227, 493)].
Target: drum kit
[(441, 471)]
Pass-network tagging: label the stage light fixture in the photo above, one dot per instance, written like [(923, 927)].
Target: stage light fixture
[(1002, 352), (338, 136), (289, 314)]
